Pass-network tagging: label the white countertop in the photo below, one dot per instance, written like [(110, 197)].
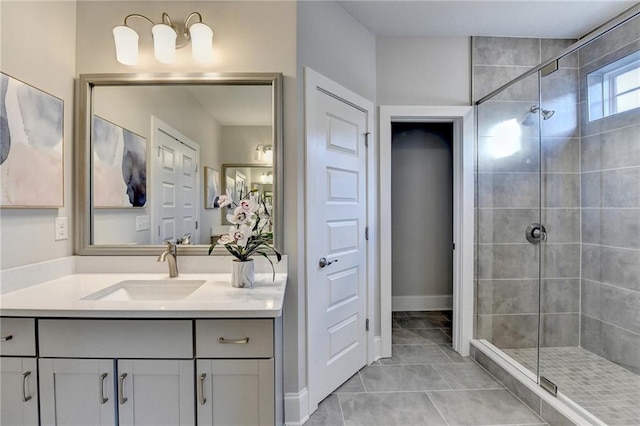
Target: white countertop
[(216, 298)]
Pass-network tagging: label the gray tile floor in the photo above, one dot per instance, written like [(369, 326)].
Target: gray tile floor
[(424, 383), (607, 390)]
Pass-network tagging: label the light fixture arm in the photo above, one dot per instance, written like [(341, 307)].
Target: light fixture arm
[(137, 15)]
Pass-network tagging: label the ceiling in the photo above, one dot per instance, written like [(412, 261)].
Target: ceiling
[(514, 18)]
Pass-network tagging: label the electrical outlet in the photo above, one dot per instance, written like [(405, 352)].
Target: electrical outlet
[(142, 223), (61, 228)]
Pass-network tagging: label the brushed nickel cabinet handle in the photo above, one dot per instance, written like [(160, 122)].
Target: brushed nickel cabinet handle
[(203, 400), (103, 400), (25, 397), (123, 400), (239, 341), (6, 338)]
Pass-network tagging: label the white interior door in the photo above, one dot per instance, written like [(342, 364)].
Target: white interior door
[(175, 185), (336, 207)]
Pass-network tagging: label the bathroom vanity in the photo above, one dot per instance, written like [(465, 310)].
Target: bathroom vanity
[(94, 353)]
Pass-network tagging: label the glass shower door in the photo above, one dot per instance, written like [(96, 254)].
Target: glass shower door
[(508, 220)]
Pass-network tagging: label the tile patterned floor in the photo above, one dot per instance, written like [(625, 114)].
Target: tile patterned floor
[(607, 390), (425, 382)]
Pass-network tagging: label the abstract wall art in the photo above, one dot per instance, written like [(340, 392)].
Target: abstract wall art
[(31, 146), (212, 188), (119, 166)]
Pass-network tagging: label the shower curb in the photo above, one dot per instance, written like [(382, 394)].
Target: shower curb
[(557, 411)]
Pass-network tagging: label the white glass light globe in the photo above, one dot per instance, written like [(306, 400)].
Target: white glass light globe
[(126, 40), (201, 42), (164, 43)]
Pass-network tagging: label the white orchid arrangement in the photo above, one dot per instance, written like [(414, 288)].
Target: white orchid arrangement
[(248, 234)]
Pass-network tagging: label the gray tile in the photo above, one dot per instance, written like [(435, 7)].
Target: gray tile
[(328, 413), (562, 225), (554, 417), (487, 78), (611, 227), (562, 84), (482, 407), (618, 148), (610, 41), (565, 122), (494, 115), (503, 261), (525, 157), (508, 297), (354, 384), (387, 378), (506, 51), (438, 315), (415, 354), (394, 324), (521, 391), (453, 355), (561, 190), (396, 314), (434, 335), (519, 190), (389, 409), (423, 322), (506, 225), (509, 331), (619, 267), (611, 342), (560, 295), (405, 336), (560, 260), (550, 48), (611, 304), (559, 330), (591, 190), (560, 155), (466, 376)]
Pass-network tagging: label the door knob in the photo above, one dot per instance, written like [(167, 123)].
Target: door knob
[(324, 262)]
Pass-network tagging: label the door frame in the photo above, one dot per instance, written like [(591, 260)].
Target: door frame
[(314, 82), (463, 121)]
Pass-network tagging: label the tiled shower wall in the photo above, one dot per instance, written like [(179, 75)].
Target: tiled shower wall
[(509, 197), (610, 158)]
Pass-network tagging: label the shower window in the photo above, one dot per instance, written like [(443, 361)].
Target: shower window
[(615, 88)]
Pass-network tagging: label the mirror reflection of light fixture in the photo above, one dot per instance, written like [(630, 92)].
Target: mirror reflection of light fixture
[(263, 152), (266, 177), (167, 37)]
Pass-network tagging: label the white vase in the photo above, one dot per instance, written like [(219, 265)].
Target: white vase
[(243, 273)]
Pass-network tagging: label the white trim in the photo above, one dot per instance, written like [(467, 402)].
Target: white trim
[(296, 408), (441, 302), (313, 81), (377, 344), (463, 233), (562, 403)]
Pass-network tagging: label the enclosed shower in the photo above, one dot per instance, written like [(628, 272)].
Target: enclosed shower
[(558, 223)]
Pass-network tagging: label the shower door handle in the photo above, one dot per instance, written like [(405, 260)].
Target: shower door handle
[(535, 233)]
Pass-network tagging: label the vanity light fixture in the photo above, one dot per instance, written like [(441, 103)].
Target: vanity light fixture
[(263, 152), (266, 177), (167, 37)]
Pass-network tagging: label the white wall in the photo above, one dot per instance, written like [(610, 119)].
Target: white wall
[(36, 45), (333, 43), (423, 71)]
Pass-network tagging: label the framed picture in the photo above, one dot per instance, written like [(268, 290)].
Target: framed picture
[(211, 188), (241, 185), (31, 146), (119, 166)]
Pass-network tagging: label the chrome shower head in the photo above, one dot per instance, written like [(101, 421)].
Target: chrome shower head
[(546, 113)]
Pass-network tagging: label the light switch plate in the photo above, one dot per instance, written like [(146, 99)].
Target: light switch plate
[(142, 223), (61, 228)]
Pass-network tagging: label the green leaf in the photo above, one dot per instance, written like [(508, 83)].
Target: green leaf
[(272, 267)]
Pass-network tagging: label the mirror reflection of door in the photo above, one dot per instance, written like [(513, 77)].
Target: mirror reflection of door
[(175, 188), (242, 178)]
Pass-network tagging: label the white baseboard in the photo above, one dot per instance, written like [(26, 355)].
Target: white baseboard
[(296, 408), (377, 348), (442, 302)]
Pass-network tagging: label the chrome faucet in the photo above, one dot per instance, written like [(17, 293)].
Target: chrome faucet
[(170, 255)]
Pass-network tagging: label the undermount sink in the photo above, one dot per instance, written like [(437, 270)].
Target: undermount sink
[(147, 290)]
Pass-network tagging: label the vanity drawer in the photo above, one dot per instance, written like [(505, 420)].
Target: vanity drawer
[(18, 336), (115, 338), (234, 338)]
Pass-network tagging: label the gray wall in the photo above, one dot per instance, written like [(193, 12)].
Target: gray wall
[(610, 159), (510, 192), (422, 209)]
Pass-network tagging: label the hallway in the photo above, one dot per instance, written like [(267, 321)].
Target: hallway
[(424, 383)]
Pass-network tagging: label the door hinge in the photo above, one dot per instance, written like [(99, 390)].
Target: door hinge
[(366, 139), (366, 233), (158, 230), (549, 386), (454, 246), (196, 224), (366, 324)]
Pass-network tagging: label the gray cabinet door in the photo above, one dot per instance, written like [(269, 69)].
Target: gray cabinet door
[(19, 393)]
